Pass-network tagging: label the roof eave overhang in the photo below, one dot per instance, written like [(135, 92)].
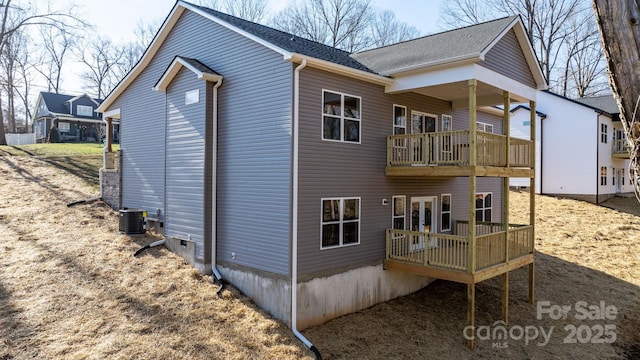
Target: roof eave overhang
[(436, 65), (341, 69), (173, 69)]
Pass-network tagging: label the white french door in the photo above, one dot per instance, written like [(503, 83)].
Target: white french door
[(423, 219)]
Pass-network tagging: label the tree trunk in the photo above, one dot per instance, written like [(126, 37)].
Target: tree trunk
[(619, 24), (3, 140)]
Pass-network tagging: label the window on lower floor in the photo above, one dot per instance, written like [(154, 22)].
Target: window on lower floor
[(483, 207), (340, 222), (445, 212), (613, 176), (398, 215), (64, 127), (480, 126), (603, 175)]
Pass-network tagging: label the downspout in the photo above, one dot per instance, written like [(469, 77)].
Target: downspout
[(598, 135), (104, 157), (294, 227), (214, 181)]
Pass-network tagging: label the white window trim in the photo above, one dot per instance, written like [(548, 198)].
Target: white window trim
[(484, 194), (394, 118), (485, 126), (604, 133), (342, 117), (393, 211), (450, 118), (447, 212), (341, 221), (85, 107)]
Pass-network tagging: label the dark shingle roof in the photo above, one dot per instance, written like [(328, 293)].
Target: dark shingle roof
[(290, 42), (198, 65), (56, 102), (458, 43), (606, 103)]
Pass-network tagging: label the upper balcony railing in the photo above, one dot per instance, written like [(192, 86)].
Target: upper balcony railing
[(620, 148), (451, 148)]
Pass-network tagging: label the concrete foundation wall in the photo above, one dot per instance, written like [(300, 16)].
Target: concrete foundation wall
[(269, 291), (187, 250), (589, 198), (325, 298)]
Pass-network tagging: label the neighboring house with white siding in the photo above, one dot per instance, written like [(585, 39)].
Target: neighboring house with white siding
[(276, 160), (583, 154)]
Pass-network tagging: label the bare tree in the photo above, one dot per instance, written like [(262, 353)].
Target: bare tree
[(252, 10), (100, 58), (15, 16), (619, 24), (56, 44), (552, 29), (386, 29)]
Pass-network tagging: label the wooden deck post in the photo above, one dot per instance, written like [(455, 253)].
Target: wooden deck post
[(471, 260), (505, 297), (506, 124), (532, 199), (471, 312)]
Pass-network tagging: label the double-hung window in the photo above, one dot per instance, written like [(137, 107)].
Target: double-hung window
[(340, 222), (603, 133), (399, 120), (603, 175), (341, 117), (483, 207)]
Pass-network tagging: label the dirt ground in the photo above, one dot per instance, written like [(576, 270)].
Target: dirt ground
[(71, 289)]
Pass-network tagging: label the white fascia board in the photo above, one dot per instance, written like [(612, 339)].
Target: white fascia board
[(500, 81), (435, 65), (431, 78), (81, 96), (342, 70), (153, 48), (114, 114), (286, 54)]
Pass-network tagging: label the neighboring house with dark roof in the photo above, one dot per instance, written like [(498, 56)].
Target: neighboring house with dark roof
[(582, 150), (320, 182), (75, 117)]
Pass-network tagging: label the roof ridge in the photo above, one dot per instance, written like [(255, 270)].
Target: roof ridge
[(438, 33)]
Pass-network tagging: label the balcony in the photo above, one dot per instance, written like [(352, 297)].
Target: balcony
[(492, 252), (448, 154), (620, 149)]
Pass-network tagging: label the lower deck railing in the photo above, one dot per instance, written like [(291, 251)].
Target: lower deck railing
[(452, 251)]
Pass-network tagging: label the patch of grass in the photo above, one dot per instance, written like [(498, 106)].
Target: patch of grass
[(80, 159), (61, 149)]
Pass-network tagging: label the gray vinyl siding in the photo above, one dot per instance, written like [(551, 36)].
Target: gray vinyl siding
[(506, 58), (254, 140), (331, 169), (185, 160)]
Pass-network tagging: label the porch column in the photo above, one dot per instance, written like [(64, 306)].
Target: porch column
[(109, 131), (471, 251), (532, 197), (506, 125), (471, 311)]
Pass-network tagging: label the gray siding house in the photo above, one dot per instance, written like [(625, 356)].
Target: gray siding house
[(75, 117), (320, 182)]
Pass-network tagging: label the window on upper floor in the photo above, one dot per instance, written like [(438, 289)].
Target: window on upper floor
[(84, 110), (603, 133), (447, 123), (483, 207), (398, 212), (341, 117), (399, 120), (340, 222)]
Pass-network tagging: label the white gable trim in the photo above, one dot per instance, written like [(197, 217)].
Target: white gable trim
[(173, 69), (81, 96)]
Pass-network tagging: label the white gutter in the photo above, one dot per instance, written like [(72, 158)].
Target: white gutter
[(294, 209), (214, 181)]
